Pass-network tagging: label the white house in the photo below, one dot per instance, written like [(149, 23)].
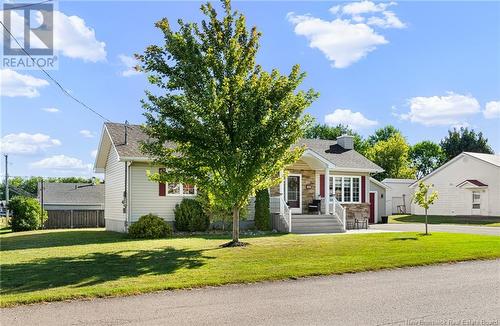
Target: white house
[(327, 190), (469, 184)]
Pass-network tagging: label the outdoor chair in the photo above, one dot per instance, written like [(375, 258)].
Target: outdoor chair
[(314, 206), (360, 222)]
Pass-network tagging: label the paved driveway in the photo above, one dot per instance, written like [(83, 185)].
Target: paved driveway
[(418, 227), (433, 295)]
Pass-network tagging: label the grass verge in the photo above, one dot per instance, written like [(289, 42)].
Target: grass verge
[(438, 219), (67, 264)]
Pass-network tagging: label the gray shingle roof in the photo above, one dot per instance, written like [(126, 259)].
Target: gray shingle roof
[(337, 155), (73, 193)]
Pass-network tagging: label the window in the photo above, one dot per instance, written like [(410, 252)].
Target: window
[(173, 189), (188, 189), (347, 189), (476, 200)]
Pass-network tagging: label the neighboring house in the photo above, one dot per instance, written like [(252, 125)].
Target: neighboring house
[(399, 196), (468, 184), (327, 167), (72, 204), (378, 195)]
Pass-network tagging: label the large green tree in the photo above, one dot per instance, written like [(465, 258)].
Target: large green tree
[(324, 131), (393, 156), (382, 134), (426, 156), (229, 124), (464, 140)]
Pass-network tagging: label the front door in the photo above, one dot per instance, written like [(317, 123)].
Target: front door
[(293, 193), (371, 219)]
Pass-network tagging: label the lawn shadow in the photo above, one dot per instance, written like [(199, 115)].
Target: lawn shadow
[(404, 239), (437, 219), (95, 268), (58, 238)]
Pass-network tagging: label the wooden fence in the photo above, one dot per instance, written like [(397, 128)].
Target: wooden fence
[(74, 219)]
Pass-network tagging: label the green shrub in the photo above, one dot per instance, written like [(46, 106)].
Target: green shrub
[(25, 214), (190, 216), (262, 213), (150, 227)]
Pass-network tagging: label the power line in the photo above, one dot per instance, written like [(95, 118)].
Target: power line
[(52, 78)]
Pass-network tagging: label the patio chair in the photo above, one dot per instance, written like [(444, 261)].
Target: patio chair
[(360, 222), (314, 206)]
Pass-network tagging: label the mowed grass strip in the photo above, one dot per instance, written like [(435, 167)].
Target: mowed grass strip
[(438, 219), (67, 264)]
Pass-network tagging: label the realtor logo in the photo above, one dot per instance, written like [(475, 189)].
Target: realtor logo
[(28, 31)]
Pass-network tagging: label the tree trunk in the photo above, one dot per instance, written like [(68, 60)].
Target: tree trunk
[(426, 221), (236, 224)]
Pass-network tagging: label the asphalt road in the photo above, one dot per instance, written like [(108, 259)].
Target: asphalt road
[(451, 228), (452, 294)]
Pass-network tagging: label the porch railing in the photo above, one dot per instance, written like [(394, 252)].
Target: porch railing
[(338, 210), (277, 205)]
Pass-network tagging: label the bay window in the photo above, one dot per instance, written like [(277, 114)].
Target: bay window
[(346, 189)]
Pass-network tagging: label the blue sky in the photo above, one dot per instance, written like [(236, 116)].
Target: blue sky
[(421, 66)]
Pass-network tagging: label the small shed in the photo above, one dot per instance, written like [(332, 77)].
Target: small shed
[(72, 205), (399, 196)]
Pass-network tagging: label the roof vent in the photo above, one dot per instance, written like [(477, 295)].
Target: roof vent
[(346, 141)]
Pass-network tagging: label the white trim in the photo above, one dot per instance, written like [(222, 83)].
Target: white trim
[(356, 170), (378, 183), (375, 209), (320, 158), (181, 191), (472, 185), (296, 210)]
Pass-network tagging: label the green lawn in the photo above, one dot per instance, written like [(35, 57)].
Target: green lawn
[(436, 219), (64, 264)]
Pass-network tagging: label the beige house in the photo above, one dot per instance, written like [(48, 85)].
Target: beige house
[(327, 190)]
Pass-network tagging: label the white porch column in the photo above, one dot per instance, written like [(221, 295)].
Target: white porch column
[(282, 194), (327, 191)]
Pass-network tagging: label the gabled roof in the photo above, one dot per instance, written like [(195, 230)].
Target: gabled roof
[(328, 150), (393, 180), (73, 193), (488, 158), (473, 183), (378, 183)]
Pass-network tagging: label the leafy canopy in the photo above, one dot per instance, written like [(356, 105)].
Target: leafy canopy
[(464, 140), (229, 124), (424, 196), (382, 134), (393, 156), (426, 156)]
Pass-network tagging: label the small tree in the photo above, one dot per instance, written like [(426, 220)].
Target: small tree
[(26, 214), (229, 125), (424, 197), (262, 213)]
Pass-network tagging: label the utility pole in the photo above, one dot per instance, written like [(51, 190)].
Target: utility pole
[(7, 185)]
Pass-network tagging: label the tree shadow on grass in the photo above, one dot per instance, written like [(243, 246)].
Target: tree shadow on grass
[(95, 268), (404, 239), (58, 238)]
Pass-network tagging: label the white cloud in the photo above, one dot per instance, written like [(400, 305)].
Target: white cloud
[(355, 120), (130, 63), (87, 133), (24, 143), (62, 163), (364, 7), (450, 109), (349, 37), (492, 110), (72, 37), (14, 84), (341, 41), (51, 110), (389, 20), (93, 153)]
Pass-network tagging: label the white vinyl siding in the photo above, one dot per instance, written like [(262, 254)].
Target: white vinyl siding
[(455, 200), (114, 186)]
